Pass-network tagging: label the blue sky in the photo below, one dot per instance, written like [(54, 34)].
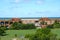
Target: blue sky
[(29, 8)]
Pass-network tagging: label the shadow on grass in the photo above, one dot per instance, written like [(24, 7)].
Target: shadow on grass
[(4, 35)]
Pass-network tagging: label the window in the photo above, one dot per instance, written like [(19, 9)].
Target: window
[(36, 21)]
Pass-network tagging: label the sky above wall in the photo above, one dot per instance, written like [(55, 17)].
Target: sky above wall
[(29, 8)]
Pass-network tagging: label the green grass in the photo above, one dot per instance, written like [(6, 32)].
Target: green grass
[(56, 31), (11, 33)]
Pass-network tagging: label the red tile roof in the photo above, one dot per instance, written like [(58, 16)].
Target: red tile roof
[(15, 19), (44, 19)]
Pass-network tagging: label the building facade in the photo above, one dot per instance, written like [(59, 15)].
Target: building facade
[(36, 21)]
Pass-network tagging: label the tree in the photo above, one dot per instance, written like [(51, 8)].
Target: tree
[(27, 26), (31, 26), (50, 26), (2, 31), (43, 34), (43, 23), (15, 25), (18, 26), (56, 22), (56, 26)]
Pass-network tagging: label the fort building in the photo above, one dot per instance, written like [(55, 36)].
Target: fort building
[(8, 21)]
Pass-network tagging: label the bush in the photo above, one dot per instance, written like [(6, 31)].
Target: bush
[(43, 34), (28, 35), (43, 23), (56, 26), (2, 31), (28, 26), (31, 26), (50, 26), (17, 26)]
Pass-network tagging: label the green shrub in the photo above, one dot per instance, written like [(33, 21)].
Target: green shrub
[(2, 31), (42, 34), (29, 35), (50, 26), (17, 26), (28, 26), (56, 26)]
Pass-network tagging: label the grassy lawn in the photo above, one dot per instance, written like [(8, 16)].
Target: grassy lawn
[(11, 33), (56, 31)]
